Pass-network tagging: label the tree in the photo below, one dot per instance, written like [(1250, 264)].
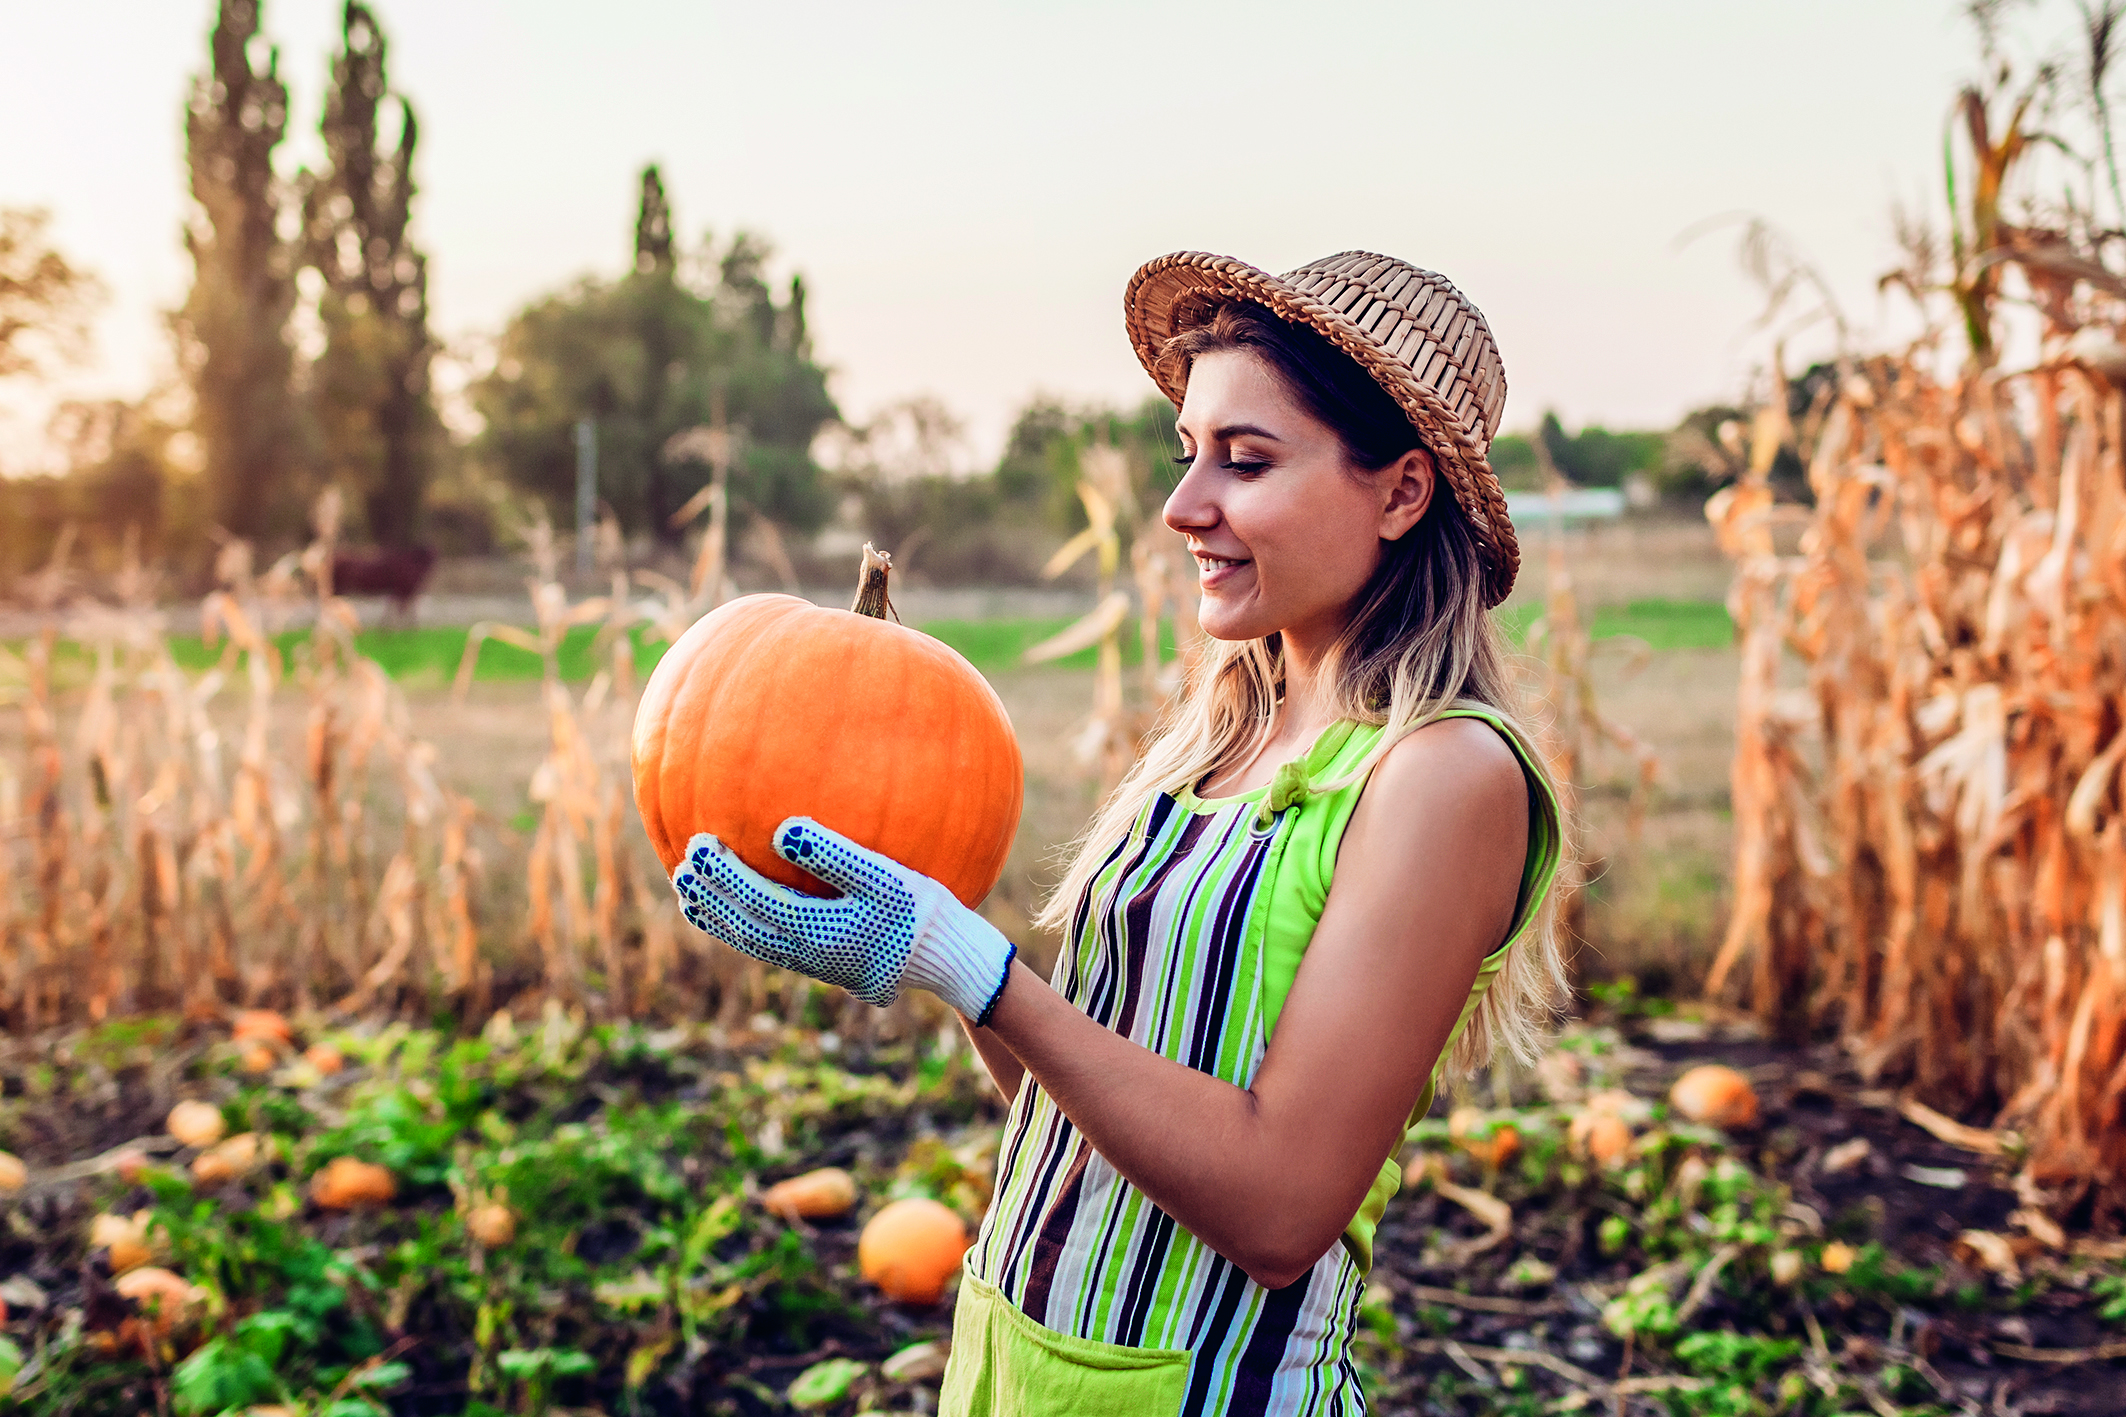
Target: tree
[(653, 226), (44, 299), (233, 328), (646, 356), (370, 397)]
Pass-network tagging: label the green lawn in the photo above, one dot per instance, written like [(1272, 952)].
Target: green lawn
[(432, 653)]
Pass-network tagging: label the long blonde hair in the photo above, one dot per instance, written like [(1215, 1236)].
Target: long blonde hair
[(1420, 643)]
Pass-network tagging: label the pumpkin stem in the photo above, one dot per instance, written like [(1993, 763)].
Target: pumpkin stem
[(871, 589)]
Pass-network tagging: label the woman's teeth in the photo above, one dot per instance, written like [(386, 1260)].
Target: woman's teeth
[(1212, 563)]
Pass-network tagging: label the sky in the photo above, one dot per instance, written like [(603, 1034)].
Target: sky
[(967, 187)]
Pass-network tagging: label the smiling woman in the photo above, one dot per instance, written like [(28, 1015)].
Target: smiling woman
[(1325, 886)]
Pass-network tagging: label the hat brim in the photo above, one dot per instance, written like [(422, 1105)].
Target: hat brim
[(1176, 292)]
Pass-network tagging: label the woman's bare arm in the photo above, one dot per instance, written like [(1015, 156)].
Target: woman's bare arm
[(1005, 1070), (1268, 1176)]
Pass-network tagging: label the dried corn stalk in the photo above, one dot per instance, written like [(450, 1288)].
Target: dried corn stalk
[(1930, 854)]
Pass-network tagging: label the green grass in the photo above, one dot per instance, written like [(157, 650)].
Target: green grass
[(1663, 624), (431, 653)]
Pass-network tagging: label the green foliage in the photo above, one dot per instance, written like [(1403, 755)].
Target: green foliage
[(1040, 465), (648, 356), (1596, 457), (1514, 459), (44, 298)]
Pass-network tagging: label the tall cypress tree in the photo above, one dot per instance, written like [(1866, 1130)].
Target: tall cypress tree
[(653, 225), (234, 325), (370, 389)]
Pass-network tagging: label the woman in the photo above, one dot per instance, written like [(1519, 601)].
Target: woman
[(1325, 885)]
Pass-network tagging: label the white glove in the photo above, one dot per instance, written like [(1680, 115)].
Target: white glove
[(890, 927)]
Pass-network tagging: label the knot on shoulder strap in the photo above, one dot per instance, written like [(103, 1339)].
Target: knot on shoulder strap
[(1287, 789)]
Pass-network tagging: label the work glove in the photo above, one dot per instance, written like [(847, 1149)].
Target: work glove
[(890, 928)]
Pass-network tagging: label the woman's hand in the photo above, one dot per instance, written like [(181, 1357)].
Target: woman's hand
[(890, 927)]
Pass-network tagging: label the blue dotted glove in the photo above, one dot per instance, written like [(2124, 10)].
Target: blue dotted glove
[(889, 928)]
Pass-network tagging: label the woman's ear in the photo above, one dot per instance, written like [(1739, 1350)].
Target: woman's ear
[(1407, 485)]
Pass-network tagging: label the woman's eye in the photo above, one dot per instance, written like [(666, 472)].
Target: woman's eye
[(1244, 468), (1185, 460)]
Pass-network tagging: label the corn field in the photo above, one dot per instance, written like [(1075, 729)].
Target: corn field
[(273, 833)]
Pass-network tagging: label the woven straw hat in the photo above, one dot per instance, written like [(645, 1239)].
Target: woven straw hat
[(1411, 330)]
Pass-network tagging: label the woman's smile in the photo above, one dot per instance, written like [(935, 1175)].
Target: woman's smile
[(1215, 571)]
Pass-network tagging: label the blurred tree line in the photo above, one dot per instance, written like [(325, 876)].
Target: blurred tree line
[(306, 360)]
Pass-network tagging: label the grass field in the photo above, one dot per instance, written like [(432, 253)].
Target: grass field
[(992, 645)]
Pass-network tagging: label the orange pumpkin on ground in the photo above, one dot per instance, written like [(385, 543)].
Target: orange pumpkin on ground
[(1715, 1095), (324, 1057), (13, 1174), (196, 1123), (816, 1195), (772, 707), (161, 1296), (261, 1025), (910, 1248), (348, 1184), (1493, 1143), (493, 1224), (1602, 1136)]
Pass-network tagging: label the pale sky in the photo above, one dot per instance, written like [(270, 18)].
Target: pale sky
[(967, 187)]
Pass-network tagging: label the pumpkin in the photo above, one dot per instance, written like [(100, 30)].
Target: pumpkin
[(129, 1165), (346, 1184), (196, 1123), (262, 1026), (816, 1195), (160, 1295), (1492, 1143), (13, 1174), (125, 1237), (1602, 1136), (1716, 1095), (910, 1248), (325, 1058), (228, 1160), (772, 707), (493, 1224), (259, 1058)]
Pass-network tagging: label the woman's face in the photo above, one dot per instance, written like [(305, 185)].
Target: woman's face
[(1285, 528)]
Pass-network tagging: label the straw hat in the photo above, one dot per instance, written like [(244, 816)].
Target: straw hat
[(1411, 330)]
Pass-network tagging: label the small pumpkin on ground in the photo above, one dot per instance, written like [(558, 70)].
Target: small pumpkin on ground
[(124, 1237), (1493, 1143), (772, 707), (262, 1025), (227, 1160), (325, 1058), (196, 1123), (347, 1184), (163, 1298), (493, 1224), (1715, 1095), (910, 1248), (1602, 1137), (13, 1174), (816, 1195)]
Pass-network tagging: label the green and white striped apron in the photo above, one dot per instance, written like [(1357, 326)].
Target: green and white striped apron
[(1082, 1297)]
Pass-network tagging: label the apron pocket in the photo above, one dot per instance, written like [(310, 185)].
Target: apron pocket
[(1004, 1364)]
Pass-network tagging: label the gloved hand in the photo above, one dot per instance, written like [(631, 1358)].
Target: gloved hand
[(890, 927)]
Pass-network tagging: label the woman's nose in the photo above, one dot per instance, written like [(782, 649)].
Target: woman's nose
[(1189, 507)]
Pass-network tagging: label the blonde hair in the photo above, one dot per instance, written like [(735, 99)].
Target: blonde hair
[(1419, 644)]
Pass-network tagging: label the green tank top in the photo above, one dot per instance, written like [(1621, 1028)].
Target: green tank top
[(1298, 889)]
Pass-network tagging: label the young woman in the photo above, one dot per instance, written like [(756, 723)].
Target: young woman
[(1323, 887)]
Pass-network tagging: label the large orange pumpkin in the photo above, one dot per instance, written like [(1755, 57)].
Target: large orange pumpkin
[(772, 707)]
